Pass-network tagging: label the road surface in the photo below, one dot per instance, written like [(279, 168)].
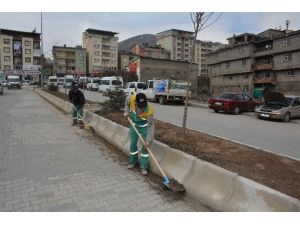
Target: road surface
[(278, 137)]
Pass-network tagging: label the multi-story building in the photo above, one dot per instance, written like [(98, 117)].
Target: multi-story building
[(20, 54), (178, 42), (69, 60), (202, 48), (102, 50), (252, 62), (146, 50)]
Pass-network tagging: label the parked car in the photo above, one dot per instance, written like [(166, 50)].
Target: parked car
[(135, 87), (232, 102), (110, 83), (93, 84), (1, 88), (4, 83), (279, 107)]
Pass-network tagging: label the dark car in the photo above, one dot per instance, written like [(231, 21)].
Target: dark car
[(232, 102), (279, 107)]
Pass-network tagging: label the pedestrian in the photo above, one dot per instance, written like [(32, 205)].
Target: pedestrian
[(76, 97), (139, 110)]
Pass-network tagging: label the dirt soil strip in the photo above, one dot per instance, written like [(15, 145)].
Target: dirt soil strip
[(277, 172)]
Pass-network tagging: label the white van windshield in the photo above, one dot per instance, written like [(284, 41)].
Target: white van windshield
[(104, 82), (116, 82), (13, 80)]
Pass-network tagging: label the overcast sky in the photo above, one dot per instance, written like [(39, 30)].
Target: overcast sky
[(67, 28)]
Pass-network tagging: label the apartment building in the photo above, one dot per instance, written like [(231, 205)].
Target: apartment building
[(202, 48), (69, 60), (20, 54), (146, 50), (102, 50), (178, 42), (252, 62)]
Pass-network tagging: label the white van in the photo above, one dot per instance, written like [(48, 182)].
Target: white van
[(135, 87), (93, 84), (68, 81), (52, 81), (110, 83)]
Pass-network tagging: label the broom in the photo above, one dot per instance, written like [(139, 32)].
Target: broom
[(170, 184)]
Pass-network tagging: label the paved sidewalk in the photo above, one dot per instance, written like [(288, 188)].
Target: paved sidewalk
[(47, 165)]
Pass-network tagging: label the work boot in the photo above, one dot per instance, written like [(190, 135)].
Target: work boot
[(144, 172), (131, 166)]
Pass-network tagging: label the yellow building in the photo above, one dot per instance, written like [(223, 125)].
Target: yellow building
[(102, 50)]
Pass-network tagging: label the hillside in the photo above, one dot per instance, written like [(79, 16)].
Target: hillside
[(144, 38)]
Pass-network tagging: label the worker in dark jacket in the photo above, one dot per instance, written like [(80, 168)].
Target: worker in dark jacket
[(76, 97)]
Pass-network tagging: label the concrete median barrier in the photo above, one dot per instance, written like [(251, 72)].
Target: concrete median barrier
[(251, 196), (214, 186)]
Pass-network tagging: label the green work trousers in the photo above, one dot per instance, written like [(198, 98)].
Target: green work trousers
[(144, 157), (77, 118)]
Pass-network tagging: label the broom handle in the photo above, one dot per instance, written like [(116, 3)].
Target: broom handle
[(148, 149)]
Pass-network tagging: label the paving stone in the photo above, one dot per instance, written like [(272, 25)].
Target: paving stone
[(47, 165)]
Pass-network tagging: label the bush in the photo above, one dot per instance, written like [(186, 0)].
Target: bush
[(115, 101)]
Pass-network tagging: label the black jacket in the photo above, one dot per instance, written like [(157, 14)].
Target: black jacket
[(77, 99)]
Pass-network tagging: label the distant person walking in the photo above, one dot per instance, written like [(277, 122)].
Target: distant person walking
[(140, 112), (76, 97)]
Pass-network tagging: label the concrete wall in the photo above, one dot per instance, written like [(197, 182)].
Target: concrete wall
[(152, 68), (288, 84)]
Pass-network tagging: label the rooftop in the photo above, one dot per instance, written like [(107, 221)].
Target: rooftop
[(176, 30), (22, 33), (101, 32)]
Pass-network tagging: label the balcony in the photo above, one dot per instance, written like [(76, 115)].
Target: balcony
[(17, 52), (265, 80), (262, 52), (268, 66)]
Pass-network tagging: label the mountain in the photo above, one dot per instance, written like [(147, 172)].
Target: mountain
[(144, 38)]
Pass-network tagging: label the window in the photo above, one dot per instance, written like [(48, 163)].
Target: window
[(132, 85), (246, 89), (27, 43), (290, 73), (230, 77), (296, 102), (6, 58), (97, 46), (96, 60), (7, 67), (243, 62), (239, 97), (285, 43), (6, 50), (97, 53), (6, 41), (246, 76), (28, 60), (287, 58), (27, 51), (116, 82), (227, 65)]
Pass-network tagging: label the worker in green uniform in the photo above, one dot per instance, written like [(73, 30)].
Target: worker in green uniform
[(139, 110)]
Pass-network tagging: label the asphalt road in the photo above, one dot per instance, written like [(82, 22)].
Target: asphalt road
[(277, 137)]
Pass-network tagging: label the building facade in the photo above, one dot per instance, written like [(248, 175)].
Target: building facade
[(178, 42), (20, 54), (252, 62), (147, 50), (148, 68), (102, 50), (69, 60)]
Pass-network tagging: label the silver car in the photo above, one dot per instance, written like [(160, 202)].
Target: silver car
[(280, 107)]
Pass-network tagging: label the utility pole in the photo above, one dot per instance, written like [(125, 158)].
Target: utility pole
[(42, 55)]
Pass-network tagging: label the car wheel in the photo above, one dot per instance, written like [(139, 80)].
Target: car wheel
[(286, 117), (216, 111), (236, 110)]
